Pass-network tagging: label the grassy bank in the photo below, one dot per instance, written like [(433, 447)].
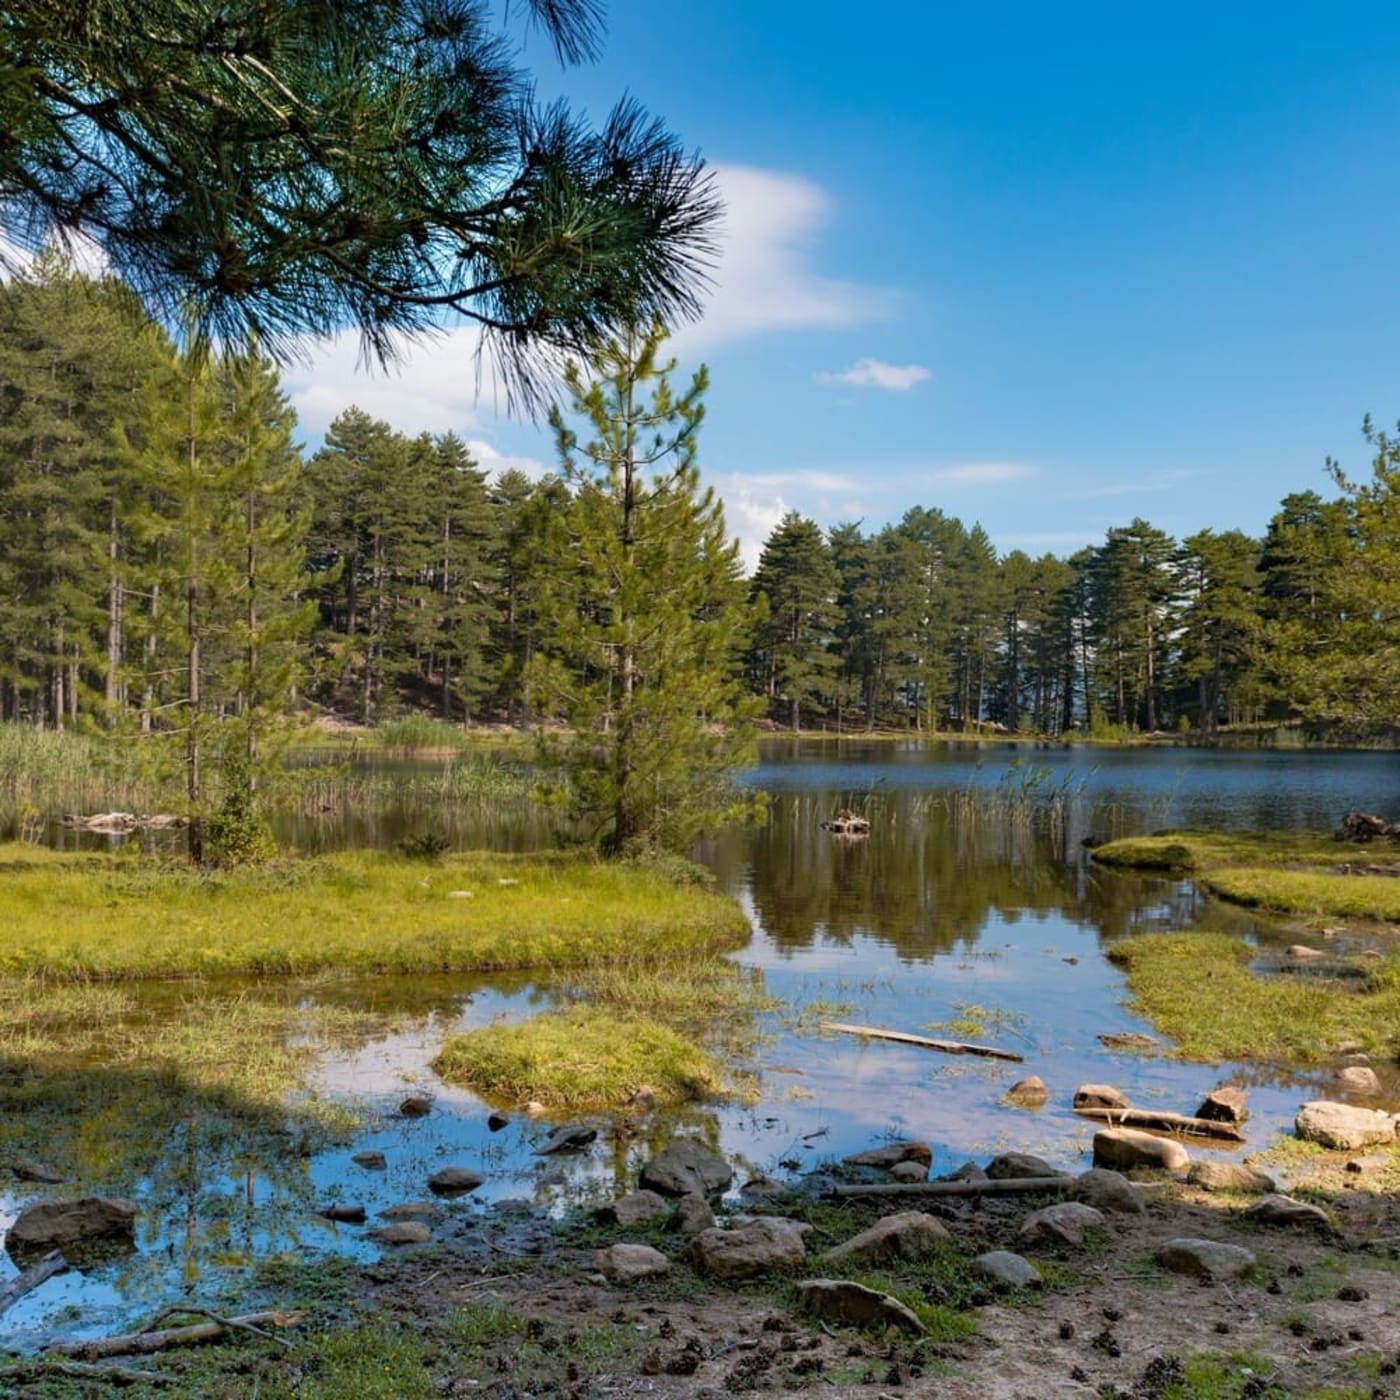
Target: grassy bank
[(1208, 850), (1197, 988), (106, 917)]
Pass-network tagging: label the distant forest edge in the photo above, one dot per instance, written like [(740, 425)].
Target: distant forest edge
[(165, 547)]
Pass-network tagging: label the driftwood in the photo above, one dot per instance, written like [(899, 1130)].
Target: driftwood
[(1015, 1186), (81, 1371), (948, 1047), (846, 823), (26, 1282), (139, 1343), (1163, 1122)]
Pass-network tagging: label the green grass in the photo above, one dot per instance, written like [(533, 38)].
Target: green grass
[(99, 917), (581, 1057), (1310, 892), (1208, 850), (1197, 989)]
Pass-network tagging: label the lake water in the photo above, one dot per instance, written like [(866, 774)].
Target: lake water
[(972, 899)]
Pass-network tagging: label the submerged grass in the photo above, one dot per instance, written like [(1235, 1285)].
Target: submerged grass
[(580, 1057), (102, 917), (1197, 988)]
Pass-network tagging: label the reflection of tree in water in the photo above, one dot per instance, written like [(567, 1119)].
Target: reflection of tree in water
[(927, 878)]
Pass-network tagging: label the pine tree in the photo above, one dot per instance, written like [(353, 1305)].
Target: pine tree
[(1220, 619)]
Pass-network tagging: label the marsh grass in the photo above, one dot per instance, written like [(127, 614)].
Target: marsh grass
[(1308, 892), (94, 917), (1209, 850), (1197, 989), (579, 1057)]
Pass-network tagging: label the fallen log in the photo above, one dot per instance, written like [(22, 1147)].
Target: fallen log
[(81, 1371), (1016, 1186), (140, 1343), (1176, 1123), (947, 1047), (27, 1281)]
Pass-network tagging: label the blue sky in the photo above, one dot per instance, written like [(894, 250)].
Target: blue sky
[(1043, 267)]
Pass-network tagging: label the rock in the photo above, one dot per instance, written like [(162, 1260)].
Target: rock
[(371, 1161), (1012, 1166), (1284, 1210), (751, 1249), (1303, 953), (53, 1224), (454, 1181), (626, 1263), (1066, 1221), (1227, 1104), (416, 1106), (969, 1171), (1004, 1267), (841, 1301), (912, 1234), (686, 1165), (909, 1171), (496, 1121), (693, 1214), (1128, 1040), (343, 1215), (1359, 1079), (1100, 1096), (762, 1188), (639, 1208), (1029, 1092), (1126, 1148), (533, 1109), (572, 1137), (892, 1153), (1229, 1176), (1108, 1191), (1342, 1126), (425, 1212), (642, 1098), (404, 1232), (1205, 1258), (28, 1170)]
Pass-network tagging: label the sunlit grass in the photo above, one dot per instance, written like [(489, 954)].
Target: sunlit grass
[(1207, 850), (1312, 892)]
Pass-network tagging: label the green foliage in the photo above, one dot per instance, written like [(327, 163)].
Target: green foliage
[(238, 834)]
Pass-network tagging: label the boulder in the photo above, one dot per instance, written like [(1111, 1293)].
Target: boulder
[(416, 1106), (891, 1154), (693, 1214), (1227, 1104), (1359, 1079), (1065, 1222), (909, 1171), (912, 1234), (1284, 1210), (626, 1263), (1205, 1258), (371, 1161), (1029, 1092), (54, 1224), (1004, 1267), (454, 1181), (751, 1249), (425, 1212), (686, 1165), (402, 1232), (1100, 1096), (969, 1171), (1126, 1148), (1343, 1127), (638, 1208), (1108, 1191), (1014, 1166), (854, 1305), (1229, 1176), (496, 1121)]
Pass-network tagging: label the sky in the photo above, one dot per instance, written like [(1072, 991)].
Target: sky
[(1044, 267)]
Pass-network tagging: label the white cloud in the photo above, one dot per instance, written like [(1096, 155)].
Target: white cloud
[(752, 511), (805, 479), (493, 463), (870, 373), (983, 473)]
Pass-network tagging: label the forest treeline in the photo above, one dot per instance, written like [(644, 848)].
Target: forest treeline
[(171, 558)]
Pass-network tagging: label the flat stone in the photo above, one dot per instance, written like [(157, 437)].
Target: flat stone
[(1100, 1096), (1227, 1104), (1359, 1079), (638, 1208), (1343, 1126), (572, 1137), (402, 1232), (969, 1171), (686, 1165), (852, 1304), (1302, 953), (1126, 1148), (371, 1161), (1128, 1040), (1004, 1267), (425, 1212), (416, 1106), (909, 1171), (891, 1154), (26, 1169), (1284, 1210), (1029, 1092), (912, 1234), (751, 1249), (693, 1214), (1229, 1176), (626, 1263), (1108, 1191), (454, 1181), (1015, 1166), (1066, 1221), (53, 1224), (343, 1215), (763, 1188), (1205, 1258)]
